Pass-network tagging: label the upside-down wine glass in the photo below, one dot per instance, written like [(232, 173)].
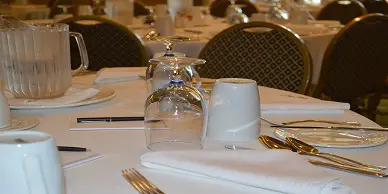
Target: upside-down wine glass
[(175, 115), (165, 72)]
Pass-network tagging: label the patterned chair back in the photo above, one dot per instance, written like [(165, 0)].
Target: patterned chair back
[(356, 60), (376, 6), (342, 10), (54, 10), (108, 44), (140, 9), (218, 7), (268, 53)]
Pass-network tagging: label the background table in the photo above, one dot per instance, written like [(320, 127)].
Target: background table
[(124, 148), (316, 43)]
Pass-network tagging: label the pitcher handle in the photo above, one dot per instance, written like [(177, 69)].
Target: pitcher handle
[(82, 52)]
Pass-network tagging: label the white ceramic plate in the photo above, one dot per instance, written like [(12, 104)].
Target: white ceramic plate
[(334, 138), (19, 123), (104, 95)]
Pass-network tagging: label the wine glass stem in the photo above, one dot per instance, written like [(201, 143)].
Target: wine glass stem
[(169, 47)]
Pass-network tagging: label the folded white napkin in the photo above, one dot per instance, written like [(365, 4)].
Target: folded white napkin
[(273, 101), (73, 95), (277, 170), (119, 74)]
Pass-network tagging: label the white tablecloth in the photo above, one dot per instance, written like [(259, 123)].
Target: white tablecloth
[(123, 149)]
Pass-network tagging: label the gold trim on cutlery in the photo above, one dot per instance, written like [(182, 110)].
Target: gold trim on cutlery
[(352, 123), (307, 148), (348, 168), (139, 182), (331, 127)]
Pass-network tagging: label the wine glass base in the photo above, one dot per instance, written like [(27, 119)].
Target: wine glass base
[(174, 145)]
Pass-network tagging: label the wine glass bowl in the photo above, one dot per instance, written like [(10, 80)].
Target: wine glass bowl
[(175, 114)]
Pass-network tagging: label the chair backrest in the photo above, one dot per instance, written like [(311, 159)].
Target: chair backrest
[(54, 10), (218, 7), (140, 9), (269, 53), (108, 43), (356, 60), (342, 10), (376, 6)]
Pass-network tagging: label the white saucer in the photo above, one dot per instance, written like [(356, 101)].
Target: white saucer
[(19, 123), (334, 138), (103, 95)]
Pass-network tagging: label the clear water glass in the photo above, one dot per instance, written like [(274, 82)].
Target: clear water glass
[(176, 114)]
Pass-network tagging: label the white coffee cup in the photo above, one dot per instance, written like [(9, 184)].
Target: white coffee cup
[(197, 15), (5, 113), (164, 26), (85, 10), (161, 10), (234, 110), (30, 164)]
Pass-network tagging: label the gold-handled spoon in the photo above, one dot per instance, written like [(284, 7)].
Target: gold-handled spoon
[(307, 149), (273, 143)]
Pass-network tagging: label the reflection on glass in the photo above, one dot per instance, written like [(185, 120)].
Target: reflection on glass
[(176, 114)]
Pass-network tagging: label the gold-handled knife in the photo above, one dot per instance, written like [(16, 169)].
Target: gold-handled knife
[(332, 127), (349, 168)]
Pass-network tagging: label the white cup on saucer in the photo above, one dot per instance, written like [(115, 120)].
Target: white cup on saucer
[(234, 110), (30, 164), (164, 26), (85, 10), (197, 16), (161, 10)]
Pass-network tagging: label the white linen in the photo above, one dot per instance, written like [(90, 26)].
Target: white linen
[(122, 149), (273, 101), (119, 74), (277, 170), (72, 95)]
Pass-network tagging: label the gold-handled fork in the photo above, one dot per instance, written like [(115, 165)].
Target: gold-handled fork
[(139, 182)]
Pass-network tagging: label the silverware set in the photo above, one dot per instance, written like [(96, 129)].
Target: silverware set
[(303, 148), (139, 182), (144, 186)]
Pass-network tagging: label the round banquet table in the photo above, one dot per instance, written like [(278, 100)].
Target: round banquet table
[(123, 148), (316, 42)]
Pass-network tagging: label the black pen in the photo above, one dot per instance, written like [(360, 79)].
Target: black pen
[(72, 149), (108, 119)]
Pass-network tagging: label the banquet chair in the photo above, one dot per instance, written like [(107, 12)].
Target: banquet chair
[(355, 64), (268, 53), (108, 43), (140, 9), (218, 7), (376, 6), (54, 10), (342, 10)]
